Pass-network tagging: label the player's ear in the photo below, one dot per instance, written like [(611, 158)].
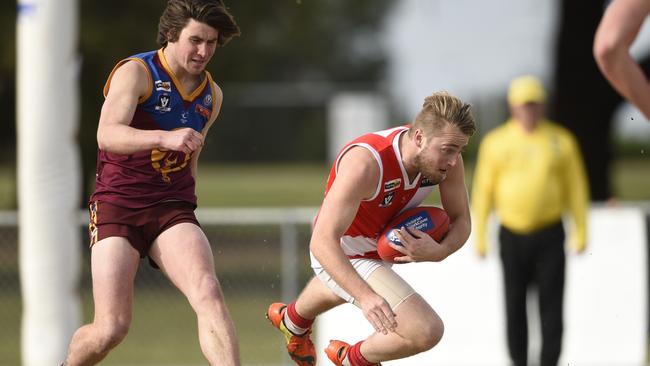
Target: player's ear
[(418, 138)]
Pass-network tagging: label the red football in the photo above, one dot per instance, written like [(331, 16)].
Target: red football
[(429, 219)]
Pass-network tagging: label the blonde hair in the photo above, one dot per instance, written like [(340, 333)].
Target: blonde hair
[(441, 109)]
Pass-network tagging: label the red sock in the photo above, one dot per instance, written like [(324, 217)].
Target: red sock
[(296, 323), (356, 358)]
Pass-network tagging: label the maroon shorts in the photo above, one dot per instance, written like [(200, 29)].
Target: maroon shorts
[(140, 226)]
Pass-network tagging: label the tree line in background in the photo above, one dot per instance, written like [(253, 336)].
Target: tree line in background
[(282, 43), (292, 56)]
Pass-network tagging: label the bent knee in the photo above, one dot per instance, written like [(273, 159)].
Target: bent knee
[(206, 292), (427, 336), (432, 334), (111, 333)]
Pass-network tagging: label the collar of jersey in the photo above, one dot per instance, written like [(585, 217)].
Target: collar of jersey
[(179, 86), (408, 184)]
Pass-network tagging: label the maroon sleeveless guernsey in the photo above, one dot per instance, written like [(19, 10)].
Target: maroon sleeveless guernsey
[(145, 178)]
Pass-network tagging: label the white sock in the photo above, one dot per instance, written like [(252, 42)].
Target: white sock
[(296, 330)]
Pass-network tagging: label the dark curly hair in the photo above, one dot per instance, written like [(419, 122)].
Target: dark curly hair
[(211, 12)]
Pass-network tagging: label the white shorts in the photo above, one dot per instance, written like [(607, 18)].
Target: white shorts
[(378, 274)]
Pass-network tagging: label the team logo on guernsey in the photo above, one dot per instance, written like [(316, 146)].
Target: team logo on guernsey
[(426, 182), (163, 85), (392, 184), (207, 100), (387, 200), (163, 104), (202, 111), (166, 162)]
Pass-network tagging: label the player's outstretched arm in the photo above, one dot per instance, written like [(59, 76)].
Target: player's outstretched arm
[(617, 31), (114, 133), (353, 183)]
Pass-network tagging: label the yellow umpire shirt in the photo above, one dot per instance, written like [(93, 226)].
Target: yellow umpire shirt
[(530, 179)]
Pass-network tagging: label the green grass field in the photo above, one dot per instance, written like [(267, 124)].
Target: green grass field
[(631, 179), (164, 328), (249, 265), (286, 185), (166, 335), (254, 185), (7, 187)]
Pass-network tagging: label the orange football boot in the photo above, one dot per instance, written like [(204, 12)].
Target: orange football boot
[(300, 348), (336, 351)]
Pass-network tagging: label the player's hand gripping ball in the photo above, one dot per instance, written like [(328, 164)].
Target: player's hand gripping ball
[(429, 219)]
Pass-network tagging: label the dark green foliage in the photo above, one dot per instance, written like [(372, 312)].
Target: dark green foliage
[(332, 44), (325, 45)]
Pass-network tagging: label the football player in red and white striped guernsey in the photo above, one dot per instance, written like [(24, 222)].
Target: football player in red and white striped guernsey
[(374, 178)]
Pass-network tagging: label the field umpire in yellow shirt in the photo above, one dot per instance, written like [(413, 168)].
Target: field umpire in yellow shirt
[(530, 171)]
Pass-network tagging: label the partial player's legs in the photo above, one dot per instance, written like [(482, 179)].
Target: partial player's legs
[(114, 264), (316, 299), (184, 255), (299, 345), (295, 320), (419, 327)]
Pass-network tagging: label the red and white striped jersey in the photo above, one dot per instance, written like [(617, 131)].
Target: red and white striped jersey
[(394, 192)]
